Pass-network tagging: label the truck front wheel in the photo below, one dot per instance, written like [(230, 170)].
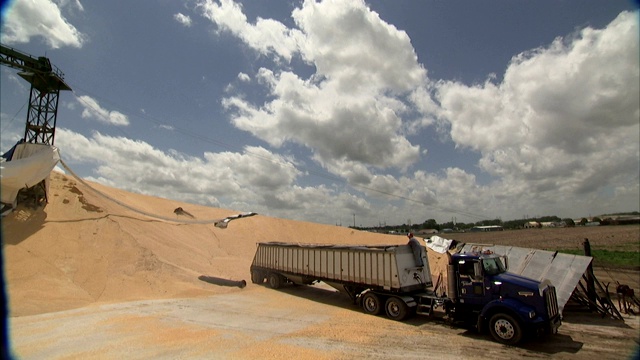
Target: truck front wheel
[(371, 303), (505, 329), (396, 309)]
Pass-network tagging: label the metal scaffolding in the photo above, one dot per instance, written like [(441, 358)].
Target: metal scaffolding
[(46, 83)]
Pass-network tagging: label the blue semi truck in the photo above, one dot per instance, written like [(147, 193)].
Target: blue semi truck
[(393, 280)]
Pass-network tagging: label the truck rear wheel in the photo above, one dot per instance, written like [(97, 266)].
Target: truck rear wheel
[(275, 281), (257, 277), (505, 329), (396, 308), (371, 304)]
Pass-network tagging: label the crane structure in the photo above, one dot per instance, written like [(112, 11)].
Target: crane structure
[(46, 83)]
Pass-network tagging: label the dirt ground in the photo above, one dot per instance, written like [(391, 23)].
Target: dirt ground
[(90, 277), (296, 322)]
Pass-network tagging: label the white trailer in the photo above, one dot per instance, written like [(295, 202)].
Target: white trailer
[(357, 270)]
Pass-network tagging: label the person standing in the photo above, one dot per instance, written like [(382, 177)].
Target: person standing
[(416, 247)]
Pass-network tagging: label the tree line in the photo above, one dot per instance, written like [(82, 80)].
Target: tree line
[(511, 224)]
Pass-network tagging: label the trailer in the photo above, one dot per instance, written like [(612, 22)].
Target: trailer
[(396, 280)]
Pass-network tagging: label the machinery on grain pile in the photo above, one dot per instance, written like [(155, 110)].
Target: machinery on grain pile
[(387, 278), (28, 164)]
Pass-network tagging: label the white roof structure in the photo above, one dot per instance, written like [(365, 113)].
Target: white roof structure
[(29, 165)]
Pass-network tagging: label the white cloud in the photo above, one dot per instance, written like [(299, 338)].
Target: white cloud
[(40, 18), (266, 36), (70, 4), (74, 4), (564, 121), (561, 128), (350, 110), (93, 110), (254, 180), (353, 128), (18, 83), (183, 19), (350, 45)]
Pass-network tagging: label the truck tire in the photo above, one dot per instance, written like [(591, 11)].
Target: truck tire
[(371, 303), (505, 329), (257, 277), (275, 281), (396, 308)]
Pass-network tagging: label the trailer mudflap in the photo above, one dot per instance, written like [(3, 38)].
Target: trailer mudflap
[(409, 300)]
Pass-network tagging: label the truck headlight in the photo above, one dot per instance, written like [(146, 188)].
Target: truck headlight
[(532, 314)]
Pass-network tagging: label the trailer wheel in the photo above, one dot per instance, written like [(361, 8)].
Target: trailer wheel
[(396, 308), (371, 304), (505, 329), (257, 277), (275, 281)]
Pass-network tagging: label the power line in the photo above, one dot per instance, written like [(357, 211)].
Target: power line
[(14, 116), (134, 209)]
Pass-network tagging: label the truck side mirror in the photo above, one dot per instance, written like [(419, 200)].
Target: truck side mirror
[(505, 261), (477, 269)]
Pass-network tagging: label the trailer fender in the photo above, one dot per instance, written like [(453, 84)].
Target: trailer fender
[(409, 300)]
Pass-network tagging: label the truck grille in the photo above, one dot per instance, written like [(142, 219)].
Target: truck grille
[(551, 300)]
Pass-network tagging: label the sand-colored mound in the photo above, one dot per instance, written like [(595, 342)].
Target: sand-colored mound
[(83, 248)]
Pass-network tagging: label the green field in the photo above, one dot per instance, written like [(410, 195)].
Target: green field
[(611, 258)]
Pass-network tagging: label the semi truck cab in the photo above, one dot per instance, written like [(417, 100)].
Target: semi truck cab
[(507, 305)]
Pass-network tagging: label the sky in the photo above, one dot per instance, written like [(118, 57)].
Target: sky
[(344, 112)]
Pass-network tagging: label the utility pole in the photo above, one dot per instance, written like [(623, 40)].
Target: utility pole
[(591, 290)]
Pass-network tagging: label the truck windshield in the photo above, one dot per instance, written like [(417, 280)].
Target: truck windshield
[(493, 266)]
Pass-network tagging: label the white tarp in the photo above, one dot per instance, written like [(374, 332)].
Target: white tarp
[(564, 271), (30, 164), (438, 244)]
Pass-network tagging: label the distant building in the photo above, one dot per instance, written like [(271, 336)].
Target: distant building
[(553, 224), (427, 231), (532, 225), (486, 228)]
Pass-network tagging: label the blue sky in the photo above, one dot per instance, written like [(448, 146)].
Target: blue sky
[(392, 111)]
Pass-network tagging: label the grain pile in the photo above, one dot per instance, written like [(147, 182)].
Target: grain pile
[(84, 249)]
